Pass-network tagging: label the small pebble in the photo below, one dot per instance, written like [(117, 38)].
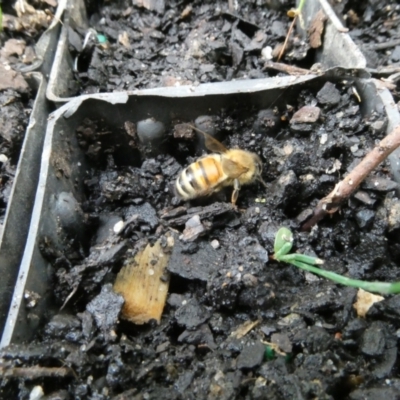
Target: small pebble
[(266, 53), (364, 218), (324, 138), (215, 244), (118, 226), (328, 95), (36, 393), (193, 229), (251, 356), (306, 114)]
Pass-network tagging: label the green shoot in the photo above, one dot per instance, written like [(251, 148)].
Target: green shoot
[(269, 353), (282, 246), (293, 13), (272, 350), (1, 19)]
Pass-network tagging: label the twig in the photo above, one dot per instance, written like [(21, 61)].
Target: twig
[(35, 372), (69, 296), (385, 70), (294, 13), (330, 203), (287, 37), (384, 46), (289, 69)]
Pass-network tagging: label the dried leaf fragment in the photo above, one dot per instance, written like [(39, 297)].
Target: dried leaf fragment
[(10, 79), (364, 302), (316, 29), (123, 38), (244, 329), (144, 282)]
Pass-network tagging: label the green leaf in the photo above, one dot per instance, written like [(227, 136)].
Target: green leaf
[(289, 258), (283, 242)]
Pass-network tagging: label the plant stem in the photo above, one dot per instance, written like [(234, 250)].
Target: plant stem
[(289, 258), (301, 5), (297, 13), (377, 287), (343, 190), (287, 38)]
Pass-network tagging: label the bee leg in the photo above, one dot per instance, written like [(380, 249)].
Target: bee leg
[(235, 193)]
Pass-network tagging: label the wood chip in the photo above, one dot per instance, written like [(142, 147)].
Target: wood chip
[(364, 302), (244, 329), (316, 29), (193, 229), (123, 38), (144, 283)]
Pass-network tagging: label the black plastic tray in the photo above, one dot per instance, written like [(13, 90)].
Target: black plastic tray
[(61, 75), (19, 209), (20, 203), (55, 216), (338, 49)]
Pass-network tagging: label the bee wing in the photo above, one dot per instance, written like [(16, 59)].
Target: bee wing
[(211, 144), (232, 169)]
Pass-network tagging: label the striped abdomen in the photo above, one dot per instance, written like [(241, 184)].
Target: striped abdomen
[(201, 177)]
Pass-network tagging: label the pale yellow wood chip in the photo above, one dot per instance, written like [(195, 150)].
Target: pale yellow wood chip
[(144, 282), (244, 329), (364, 302)]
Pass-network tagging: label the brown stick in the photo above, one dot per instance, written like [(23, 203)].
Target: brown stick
[(35, 372), (289, 69), (287, 38), (343, 190)]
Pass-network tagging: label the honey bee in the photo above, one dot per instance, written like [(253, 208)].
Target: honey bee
[(211, 173)]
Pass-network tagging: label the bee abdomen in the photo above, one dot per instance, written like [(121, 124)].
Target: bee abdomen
[(198, 178)]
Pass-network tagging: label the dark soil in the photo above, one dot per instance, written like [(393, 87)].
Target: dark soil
[(179, 43), (224, 278), (374, 26)]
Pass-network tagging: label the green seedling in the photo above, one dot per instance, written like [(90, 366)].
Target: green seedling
[(272, 351), (269, 353), (293, 13), (283, 244), (101, 38)]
